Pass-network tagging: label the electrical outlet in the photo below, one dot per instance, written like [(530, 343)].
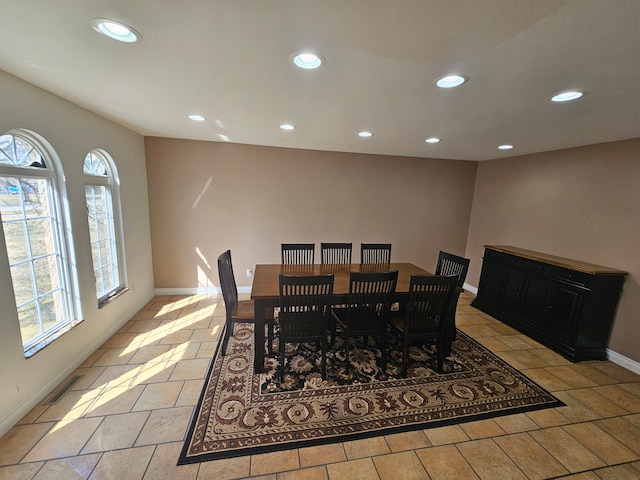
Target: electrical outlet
[(249, 272)]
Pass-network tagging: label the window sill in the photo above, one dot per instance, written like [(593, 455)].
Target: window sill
[(112, 297), (31, 351)]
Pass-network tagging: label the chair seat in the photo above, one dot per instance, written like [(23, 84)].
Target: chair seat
[(397, 322)]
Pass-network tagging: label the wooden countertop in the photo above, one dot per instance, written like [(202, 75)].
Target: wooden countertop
[(558, 261)]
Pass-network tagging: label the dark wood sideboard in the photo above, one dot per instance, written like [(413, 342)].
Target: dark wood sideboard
[(566, 305)]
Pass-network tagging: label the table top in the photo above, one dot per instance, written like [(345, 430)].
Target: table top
[(266, 276), (571, 264)]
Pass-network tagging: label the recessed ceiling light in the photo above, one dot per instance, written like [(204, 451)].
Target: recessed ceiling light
[(450, 81), (307, 60), (116, 30), (287, 126), (505, 147), (196, 118), (432, 140), (566, 96), (365, 134)]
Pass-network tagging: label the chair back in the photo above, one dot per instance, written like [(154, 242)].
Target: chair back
[(305, 305), (430, 298), (227, 281), (375, 253), (450, 264), (298, 253), (370, 298), (336, 253)]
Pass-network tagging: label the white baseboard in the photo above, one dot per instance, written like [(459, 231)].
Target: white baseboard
[(197, 291), (470, 288), (17, 414), (623, 361)]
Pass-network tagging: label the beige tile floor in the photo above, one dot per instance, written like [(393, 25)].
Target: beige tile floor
[(127, 416)]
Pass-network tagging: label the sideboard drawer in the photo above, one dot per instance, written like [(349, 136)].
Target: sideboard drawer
[(571, 276)]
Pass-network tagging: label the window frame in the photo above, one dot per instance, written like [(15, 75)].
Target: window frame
[(111, 182), (53, 173)]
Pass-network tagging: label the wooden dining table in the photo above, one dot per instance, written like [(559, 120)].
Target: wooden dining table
[(265, 290)]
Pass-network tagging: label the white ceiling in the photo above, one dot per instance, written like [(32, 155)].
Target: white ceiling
[(229, 61)]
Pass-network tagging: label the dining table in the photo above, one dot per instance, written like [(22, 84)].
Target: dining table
[(265, 292)]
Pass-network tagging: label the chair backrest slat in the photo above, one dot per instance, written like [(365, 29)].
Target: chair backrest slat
[(336, 253), (430, 298), (450, 264), (305, 305), (375, 253), (298, 253), (370, 297)]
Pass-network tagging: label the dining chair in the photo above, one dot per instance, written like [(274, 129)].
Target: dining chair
[(305, 312), (335, 253), (375, 253), (450, 264), (426, 314), (236, 310), (367, 310), (298, 253)]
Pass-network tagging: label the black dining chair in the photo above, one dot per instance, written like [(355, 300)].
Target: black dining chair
[(335, 253), (236, 310), (450, 264), (305, 312), (367, 310), (375, 253), (298, 253), (426, 314)]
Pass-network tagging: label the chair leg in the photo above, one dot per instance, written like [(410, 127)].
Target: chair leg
[(228, 329), (324, 360), (405, 356), (440, 354), (383, 348), (347, 354), (270, 337), (333, 331), (282, 343)]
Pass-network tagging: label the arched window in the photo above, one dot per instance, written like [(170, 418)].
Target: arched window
[(35, 222), (105, 230)]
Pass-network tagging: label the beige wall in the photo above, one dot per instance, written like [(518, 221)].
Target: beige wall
[(72, 132), (206, 197), (581, 203)]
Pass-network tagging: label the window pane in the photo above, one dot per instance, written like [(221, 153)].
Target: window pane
[(105, 254), (46, 274), (18, 152), (17, 245), (10, 199), (23, 283), (94, 165), (51, 309), (29, 323), (95, 255), (40, 236)]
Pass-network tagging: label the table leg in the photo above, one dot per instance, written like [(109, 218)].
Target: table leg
[(258, 320)]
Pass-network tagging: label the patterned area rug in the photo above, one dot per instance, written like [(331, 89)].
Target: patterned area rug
[(240, 413)]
